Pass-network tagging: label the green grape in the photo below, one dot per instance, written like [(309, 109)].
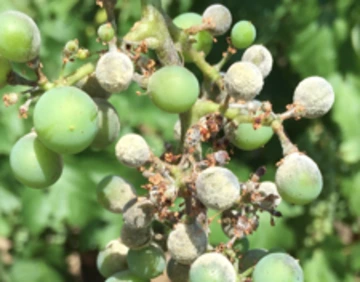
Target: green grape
[(220, 17), (109, 125), (5, 69), (174, 89), (212, 267), (132, 150), (112, 259), (186, 242), (138, 213), (92, 87), (106, 32), (243, 34), (251, 258), (245, 137), (316, 95), (113, 193), (66, 120), (71, 47), (125, 276), (177, 272), (259, 56), (33, 164), (203, 39), (217, 188), (136, 238), (19, 37), (278, 267), (241, 246), (114, 71), (298, 179), (148, 262)]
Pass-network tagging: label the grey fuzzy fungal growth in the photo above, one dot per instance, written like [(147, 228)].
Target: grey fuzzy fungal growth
[(261, 57), (220, 17)]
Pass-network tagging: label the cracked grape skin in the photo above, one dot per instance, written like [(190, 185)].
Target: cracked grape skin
[(66, 120), (298, 179)]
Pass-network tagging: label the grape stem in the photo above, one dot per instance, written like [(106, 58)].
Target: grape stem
[(80, 73)]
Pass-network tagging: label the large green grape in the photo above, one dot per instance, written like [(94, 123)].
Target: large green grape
[(33, 164), (148, 262), (66, 120), (125, 276), (203, 39), (173, 89), (298, 179), (278, 267), (245, 137), (212, 267), (109, 125), (19, 37), (243, 34), (251, 258), (5, 69)]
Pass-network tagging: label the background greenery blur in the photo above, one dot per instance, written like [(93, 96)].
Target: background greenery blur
[(54, 234)]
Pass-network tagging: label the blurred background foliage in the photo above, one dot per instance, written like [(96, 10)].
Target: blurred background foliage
[(54, 234)]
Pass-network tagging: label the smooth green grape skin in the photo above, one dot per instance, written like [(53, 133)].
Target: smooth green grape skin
[(108, 123), (173, 89), (148, 262), (66, 120), (243, 34), (106, 32), (113, 193), (5, 69), (33, 164), (298, 179), (220, 17), (71, 47), (212, 267), (125, 276), (203, 39), (177, 272), (19, 37), (112, 259), (245, 137), (278, 267)]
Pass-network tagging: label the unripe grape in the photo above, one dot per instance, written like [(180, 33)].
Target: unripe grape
[(66, 119), (220, 16), (19, 37), (92, 87), (278, 267), (113, 193), (109, 125), (268, 188), (5, 69), (138, 213), (177, 272), (71, 47), (243, 34), (261, 57), (316, 95), (217, 188), (243, 80), (212, 267), (251, 258), (106, 32), (298, 179), (132, 150), (135, 238), (125, 276), (114, 71), (148, 262), (112, 259), (186, 242), (203, 39), (173, 89), (33, 164)]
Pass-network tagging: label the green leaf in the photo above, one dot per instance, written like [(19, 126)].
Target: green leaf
[(9, 203), (317, 269)]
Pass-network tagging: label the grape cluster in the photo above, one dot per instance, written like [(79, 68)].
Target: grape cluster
[(72, 114)]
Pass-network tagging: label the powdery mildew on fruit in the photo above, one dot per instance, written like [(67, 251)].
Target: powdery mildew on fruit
[(220, 16), (260, 56)]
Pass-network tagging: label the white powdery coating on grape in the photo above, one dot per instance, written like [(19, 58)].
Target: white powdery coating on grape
[(136, 238), (269, 188), (261, 57), (212, 263), (316, 95), (243, 80), (138, 213), (132, 150), (114, 71), (220, 16), (112, 259), (187, 242), (217, 188), (291, 171)]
